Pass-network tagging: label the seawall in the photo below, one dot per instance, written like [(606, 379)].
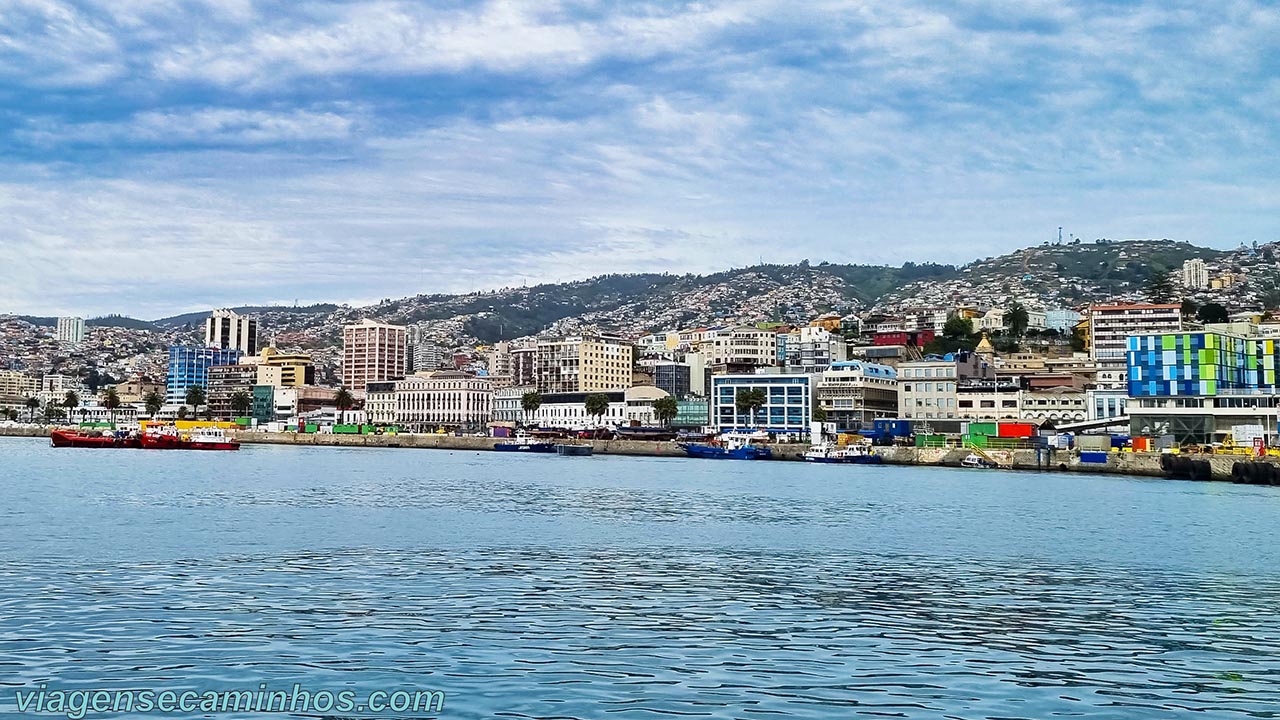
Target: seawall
[(1121, 463)]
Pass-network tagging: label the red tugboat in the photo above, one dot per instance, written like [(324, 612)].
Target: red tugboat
[(94, 439), (199, 439)]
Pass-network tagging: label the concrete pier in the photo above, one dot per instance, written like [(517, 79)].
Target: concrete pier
[(1120, 463)]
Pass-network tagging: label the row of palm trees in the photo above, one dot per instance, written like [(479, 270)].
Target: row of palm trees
[(241, 404), (109, 399), (597, 404)]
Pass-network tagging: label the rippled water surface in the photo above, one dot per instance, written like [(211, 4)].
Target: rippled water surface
[(548, 587)]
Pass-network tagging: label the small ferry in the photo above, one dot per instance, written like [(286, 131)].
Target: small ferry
[(94, 439), (169, 438), (730, 446), (849, 454)]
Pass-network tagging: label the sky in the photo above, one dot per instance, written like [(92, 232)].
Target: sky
[(162, 156)]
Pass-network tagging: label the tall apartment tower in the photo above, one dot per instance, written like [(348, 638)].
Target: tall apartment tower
[(373, 352), (1111, 326), (1195, 274), (591, 363), (71, 330), (228, 330)]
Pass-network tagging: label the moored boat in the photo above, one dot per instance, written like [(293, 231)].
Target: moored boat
[(849, 454), (573, 449), (524, 443), (199, 439), (729, 447), (93, 439), (977, 461)]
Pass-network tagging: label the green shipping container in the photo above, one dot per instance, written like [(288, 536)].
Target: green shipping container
[(345, 429), (984, 428), (979, 441), (310, 428), (931, 441)]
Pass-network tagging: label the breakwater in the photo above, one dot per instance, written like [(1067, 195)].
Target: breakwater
[(1198, 467)]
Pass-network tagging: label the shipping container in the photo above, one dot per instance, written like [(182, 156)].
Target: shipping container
[(344, 429), (900, 428), (978, 441), (931, 441), (1093, 457), (1016, 430), (984, 428), (1141, 444), (310, 427)]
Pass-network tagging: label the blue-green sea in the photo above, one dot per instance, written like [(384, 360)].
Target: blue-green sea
[(637, 588)]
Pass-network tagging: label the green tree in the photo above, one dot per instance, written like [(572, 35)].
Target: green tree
[(11, 414), (182, 412), (241, 403), (1160, 289), (153, 402), (666, 409), (597, 404), (70, 401), (343, 399), (32, 405), (529, 403), (1189, 308), (195, 398), (749, 401), (111, 401), (819, 413), (1017, 319), (52, 412), (957, 327), (1212, 313), (1077, 340)]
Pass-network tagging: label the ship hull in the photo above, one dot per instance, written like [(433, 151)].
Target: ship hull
[(62, 438), (712, 452), (170, 442), (538, 447)]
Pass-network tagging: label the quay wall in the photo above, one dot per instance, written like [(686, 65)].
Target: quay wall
[(1121, 463)]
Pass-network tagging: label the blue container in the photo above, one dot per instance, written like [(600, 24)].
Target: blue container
[(1119, 441), (900, 428), (1093, 457)]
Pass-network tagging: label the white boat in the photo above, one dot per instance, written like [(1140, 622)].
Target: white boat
[(852, 454), (975, 460)]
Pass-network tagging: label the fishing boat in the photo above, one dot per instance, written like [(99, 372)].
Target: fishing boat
[(573, 449), (524, 443), (199, 439), (730, 446), (849, 454), (94, 439)]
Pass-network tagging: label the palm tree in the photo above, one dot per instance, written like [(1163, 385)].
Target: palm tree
[(182, 412), (666, 409), (344, 401), (69, 401), (84, 414), (749, 401), (530, 402), (597, 404), (111, 401), (153, 402), (241, 403), (32, 405), (52, 412), (195, 398)]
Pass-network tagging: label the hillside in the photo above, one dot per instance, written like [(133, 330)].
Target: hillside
[(1046, 276)]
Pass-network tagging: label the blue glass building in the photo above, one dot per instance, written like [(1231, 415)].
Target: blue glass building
[(787, 410), (189, 366)]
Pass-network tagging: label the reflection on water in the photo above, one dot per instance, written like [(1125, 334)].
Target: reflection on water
[(639, 589)]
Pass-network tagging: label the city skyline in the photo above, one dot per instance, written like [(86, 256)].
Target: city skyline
[(166, 158)]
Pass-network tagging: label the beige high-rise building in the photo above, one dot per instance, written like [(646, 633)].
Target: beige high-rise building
[(372, 352), (282, 369), (587, 363)]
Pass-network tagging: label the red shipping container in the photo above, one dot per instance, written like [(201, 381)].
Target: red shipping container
[(1142, 444), (1016, 430)]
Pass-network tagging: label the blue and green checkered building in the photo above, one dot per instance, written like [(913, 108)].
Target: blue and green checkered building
[(1202, 364)]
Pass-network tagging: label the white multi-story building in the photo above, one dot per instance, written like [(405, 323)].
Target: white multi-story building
[(1110, 327), (743, 345), (1055, 405), (853, 393), (372, 352), (988, 400), (1195, 274), (813, 349), (426, 401), (927, 387), (70, 330), (508, 403), (633, 406), (229, 330)]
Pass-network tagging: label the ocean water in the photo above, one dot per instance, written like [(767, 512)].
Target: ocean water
[(629, 588)]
